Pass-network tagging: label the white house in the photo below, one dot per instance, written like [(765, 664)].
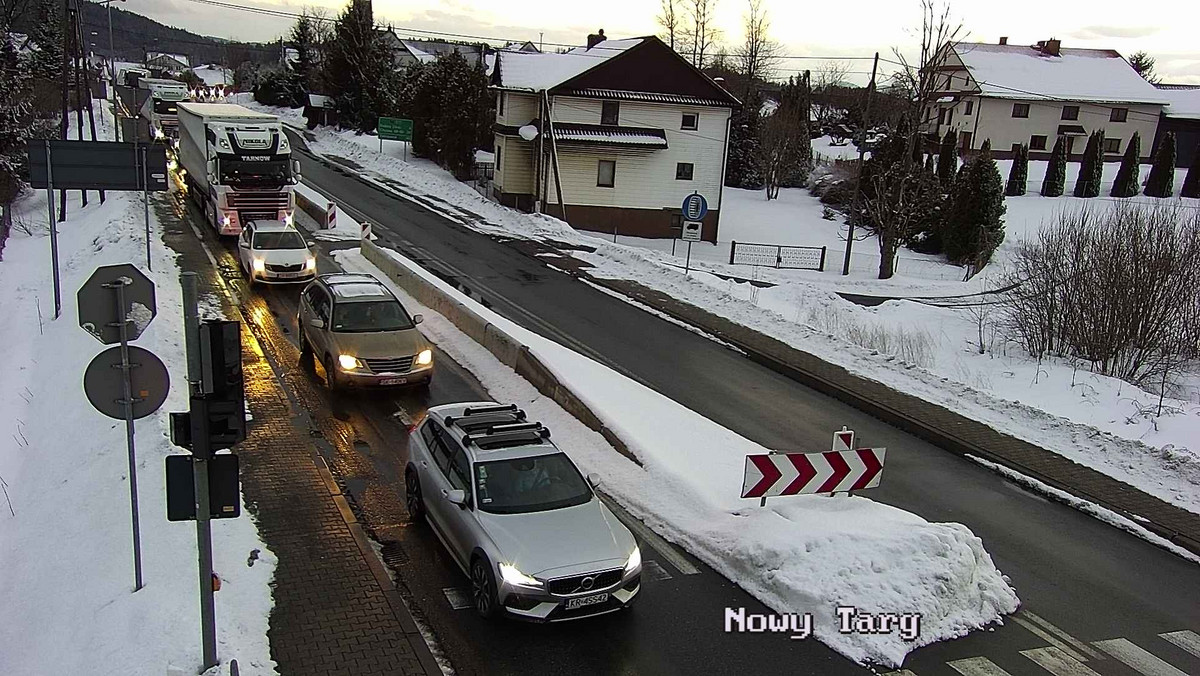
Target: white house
[(629, 127), (1017, 94)]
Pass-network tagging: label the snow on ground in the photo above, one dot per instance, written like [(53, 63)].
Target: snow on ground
[(345, 227), (929, 352), (65, 534), (213, 74), (825, 148), (805, 554)]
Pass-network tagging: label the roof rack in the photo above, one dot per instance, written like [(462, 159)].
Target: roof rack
[(478, 416), (508, 434), (348, 278)]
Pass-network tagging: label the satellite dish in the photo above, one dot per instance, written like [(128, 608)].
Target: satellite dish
[(528, 132)]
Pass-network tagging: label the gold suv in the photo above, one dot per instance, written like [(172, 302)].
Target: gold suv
[(361, 333)]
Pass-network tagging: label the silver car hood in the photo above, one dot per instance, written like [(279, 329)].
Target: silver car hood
[(560, 541)]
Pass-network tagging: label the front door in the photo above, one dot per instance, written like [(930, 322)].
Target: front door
[(966, 141)]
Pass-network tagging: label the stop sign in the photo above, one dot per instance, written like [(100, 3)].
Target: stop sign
[(99, 314)]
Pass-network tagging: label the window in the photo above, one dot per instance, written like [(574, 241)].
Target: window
[(500, 104), (966, 140), (1037, 142), (273, 241), (536, 484), (1118, 115), (460, 467), (1112, 145), (319, 302), (435, 439), (497, 158), (370, 316), (683, 171), (607, 174), (610, 113), (691, 121), (970, 107), (941, 116), (1070, 113), (1020, 110)]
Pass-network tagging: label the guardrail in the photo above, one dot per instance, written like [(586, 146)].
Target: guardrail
[(507, 349), (778, 256)]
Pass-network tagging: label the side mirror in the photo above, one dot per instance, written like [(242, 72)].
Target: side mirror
[(316, 323), (594, 479), (311, 245), (457, 497), (417, 319)]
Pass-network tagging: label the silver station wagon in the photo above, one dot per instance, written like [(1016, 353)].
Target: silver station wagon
[(517, 516)]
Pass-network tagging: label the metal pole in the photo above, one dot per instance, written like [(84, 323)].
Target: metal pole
[(862, 150), (53, 231), (200, 453), (688, 261), (146, 203), (127, 393), (112, 74)]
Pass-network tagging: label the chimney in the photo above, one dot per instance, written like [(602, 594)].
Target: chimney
[(1052, 47), (595, 38), (1004, 40)]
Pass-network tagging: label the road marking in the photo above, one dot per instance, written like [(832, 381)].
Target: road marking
[(651, 538), (1077, 647), (1058, 662), (977, 666), (1137, 658), (1188, 640), (1052, 640), (902, 672), (653, 571), (459, 599)]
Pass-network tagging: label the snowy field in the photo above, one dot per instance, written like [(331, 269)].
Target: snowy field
[(803, 554), (65, 535), (930, 352)]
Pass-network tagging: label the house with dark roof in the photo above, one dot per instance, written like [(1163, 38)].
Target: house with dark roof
[(1182, 116), (409, 51), (1034, 94), (611, 137)]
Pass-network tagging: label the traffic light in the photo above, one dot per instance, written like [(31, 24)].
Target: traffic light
[(221, 375)]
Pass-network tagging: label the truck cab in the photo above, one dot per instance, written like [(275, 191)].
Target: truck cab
[(161, 106)]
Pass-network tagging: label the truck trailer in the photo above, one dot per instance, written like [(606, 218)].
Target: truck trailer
[(237, 165)]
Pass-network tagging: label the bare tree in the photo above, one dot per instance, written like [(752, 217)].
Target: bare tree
[(671, 21), (703, 33), (759, 57), (922, 81), (828, 81), (898, 205)]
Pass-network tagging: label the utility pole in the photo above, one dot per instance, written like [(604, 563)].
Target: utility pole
[(862, 150)]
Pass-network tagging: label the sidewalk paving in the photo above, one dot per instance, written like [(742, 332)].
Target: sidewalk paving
[(336, 610)]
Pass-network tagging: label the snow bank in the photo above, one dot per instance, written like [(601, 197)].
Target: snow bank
[(66, 546), (806, 554)]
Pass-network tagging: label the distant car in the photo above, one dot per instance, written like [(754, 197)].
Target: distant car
[(518, 517), (361, 333), (274, 252)]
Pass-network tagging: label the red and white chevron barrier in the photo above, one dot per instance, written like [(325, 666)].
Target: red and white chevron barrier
[(839, 470), (330, 216)]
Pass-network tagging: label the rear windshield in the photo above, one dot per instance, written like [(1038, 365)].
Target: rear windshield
[(368, 316), (279, 240), (535, 484)]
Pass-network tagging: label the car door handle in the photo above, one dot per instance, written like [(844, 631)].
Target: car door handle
[(426, 466), (445, 493)]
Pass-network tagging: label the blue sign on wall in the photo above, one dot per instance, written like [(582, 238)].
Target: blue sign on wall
[(694, 207)]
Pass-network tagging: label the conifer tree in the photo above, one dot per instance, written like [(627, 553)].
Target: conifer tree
[(974, 223), (1087, 183), (947, 164), (1018, 175), (1128, 176), (47, 38), (1056, 171), (1161, 182)]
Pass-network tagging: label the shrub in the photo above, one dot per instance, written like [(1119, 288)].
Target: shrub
[(1126, 183), (1161, 182), (1056, 171), (1018, 175)]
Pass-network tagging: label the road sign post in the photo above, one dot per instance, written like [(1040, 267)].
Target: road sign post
[(120, 318), (53, 232), (839, 470), (395, 129), (691, 233)]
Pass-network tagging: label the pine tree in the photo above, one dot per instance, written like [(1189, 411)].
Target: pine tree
[(741, 167), (948, 158), (974, 224), (1018, 175), (1056, 171), (47, 37), (358, 69), (1087, 183), (304, 39), (1191, 183), (1127, 181), (1161, 182)]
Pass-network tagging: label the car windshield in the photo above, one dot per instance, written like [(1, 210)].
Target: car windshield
[(369, 316), (535, 484), (287, 239)]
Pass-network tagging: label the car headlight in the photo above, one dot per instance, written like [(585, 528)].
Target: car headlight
[(635, 560), (259, 265), (225, 220), (513, 576), (425, 358), (287, 219), (310, 263), (349, 362)]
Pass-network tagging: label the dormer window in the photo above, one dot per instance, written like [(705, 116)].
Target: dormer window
[(610, 113)]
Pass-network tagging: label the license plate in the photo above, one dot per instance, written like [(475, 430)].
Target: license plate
[(584, 601), (287, 275), (393, 381)]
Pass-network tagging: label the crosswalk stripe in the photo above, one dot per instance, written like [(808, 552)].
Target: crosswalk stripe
[(1137, 658), (1058, 662), (977, 666), (1188, 640), (1045, 636), (1076, 645)]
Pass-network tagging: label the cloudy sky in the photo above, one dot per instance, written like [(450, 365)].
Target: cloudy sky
[(1164, 28)]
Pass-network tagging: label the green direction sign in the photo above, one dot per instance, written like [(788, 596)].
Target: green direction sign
[(395, 129)]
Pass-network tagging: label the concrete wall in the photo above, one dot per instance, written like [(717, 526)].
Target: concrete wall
[(507, 349)]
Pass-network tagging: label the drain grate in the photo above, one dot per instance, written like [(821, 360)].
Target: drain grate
[(393, 554)]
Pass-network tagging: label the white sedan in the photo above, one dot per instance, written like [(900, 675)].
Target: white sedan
[(275, 253)]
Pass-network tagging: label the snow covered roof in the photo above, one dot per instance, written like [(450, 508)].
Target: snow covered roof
[(534, 71), (642, 137), (154, 56), (1023, 72), (421, 55), (1185, 101)]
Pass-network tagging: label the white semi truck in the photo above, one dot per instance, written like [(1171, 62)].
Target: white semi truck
[(159, 109), (237, 164)]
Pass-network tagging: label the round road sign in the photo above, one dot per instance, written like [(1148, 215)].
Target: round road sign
[(694, 207), (149, 382)]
